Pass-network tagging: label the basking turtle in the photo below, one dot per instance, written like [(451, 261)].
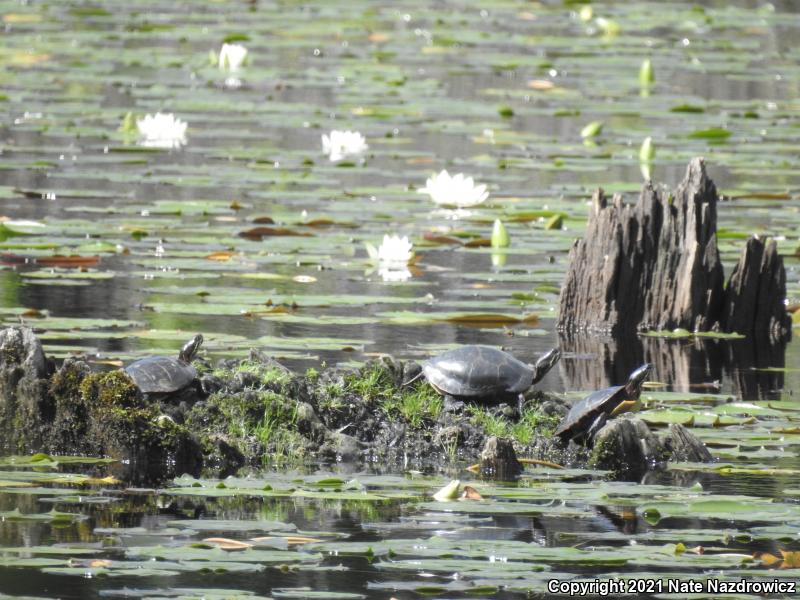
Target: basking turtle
[(159, 377), (588, 416), (483, 373)]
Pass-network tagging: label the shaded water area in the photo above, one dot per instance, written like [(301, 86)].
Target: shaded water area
[(132, 249)]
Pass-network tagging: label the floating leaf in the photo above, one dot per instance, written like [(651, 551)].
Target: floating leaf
[(712, 133), (259, 233), (69, 261), (554, 222)]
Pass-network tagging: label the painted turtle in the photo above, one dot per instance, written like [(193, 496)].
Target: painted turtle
[(159, 377), (484, 373), (588, 416)]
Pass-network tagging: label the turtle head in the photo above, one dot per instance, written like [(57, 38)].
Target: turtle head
[(635, 381), (190, 349), (545, 363)]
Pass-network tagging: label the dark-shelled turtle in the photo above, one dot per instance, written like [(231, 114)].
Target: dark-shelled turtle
[(588, 416), (159, 377), (485, 374)]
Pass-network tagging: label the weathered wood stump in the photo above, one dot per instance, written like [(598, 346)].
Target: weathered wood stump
[(755, 294), (626, 447), (655, 265), (685, 446), (498, 460)]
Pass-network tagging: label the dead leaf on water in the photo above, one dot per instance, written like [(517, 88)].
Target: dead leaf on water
[(259, 233), (220, 256), (72, 261), (228, 544), (21, 18), (541, 84), (470, 493), (444, 240), (491, 319), (479, 243)]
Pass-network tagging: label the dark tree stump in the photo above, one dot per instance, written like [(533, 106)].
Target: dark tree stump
[(25, 402), (499, 461), (684, 446), (626, 447), (755, 293), (655, 265)]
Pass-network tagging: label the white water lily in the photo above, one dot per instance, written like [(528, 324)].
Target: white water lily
[(457, 190), (340, 144), (395, 250), (393, 274), (161, 130), (392, 256), (232, 56)]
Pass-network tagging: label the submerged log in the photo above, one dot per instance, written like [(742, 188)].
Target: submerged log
[(655, 265)]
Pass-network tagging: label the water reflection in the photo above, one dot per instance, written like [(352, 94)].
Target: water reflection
[(748, 369)]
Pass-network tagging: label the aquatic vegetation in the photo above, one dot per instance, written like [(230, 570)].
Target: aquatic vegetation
[(591, 130), (646, 73), (457, 190), (395, 252), (339, 145), (232, 57), (253, 237), (500, 237), (161, 130)]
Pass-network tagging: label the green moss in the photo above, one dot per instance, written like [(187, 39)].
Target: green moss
[(112, 390), (65, 384), (271, 376), (372, 382), (416, 405), (264, 421), (531, 424)]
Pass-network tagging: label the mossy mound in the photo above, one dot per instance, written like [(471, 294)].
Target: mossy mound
[(256, 412)]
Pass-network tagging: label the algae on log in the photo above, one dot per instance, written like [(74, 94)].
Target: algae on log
[(75, 411), (24, 395), (626, 447), (655, 265)]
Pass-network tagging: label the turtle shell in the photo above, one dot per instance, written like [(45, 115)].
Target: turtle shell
[(478, 371), (583, 413), (161, 374)]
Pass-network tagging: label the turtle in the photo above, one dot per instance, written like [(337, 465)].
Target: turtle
[(159, 377), (484, 373), (588, 416)]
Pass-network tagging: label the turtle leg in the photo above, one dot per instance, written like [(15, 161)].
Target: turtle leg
[(596, 426), (452, 404)]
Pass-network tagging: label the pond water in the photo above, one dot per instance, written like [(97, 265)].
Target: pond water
[(115, 249)]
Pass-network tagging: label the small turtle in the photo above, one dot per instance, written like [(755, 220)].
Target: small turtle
[(159, 377), (588, 416), (483, 373)]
